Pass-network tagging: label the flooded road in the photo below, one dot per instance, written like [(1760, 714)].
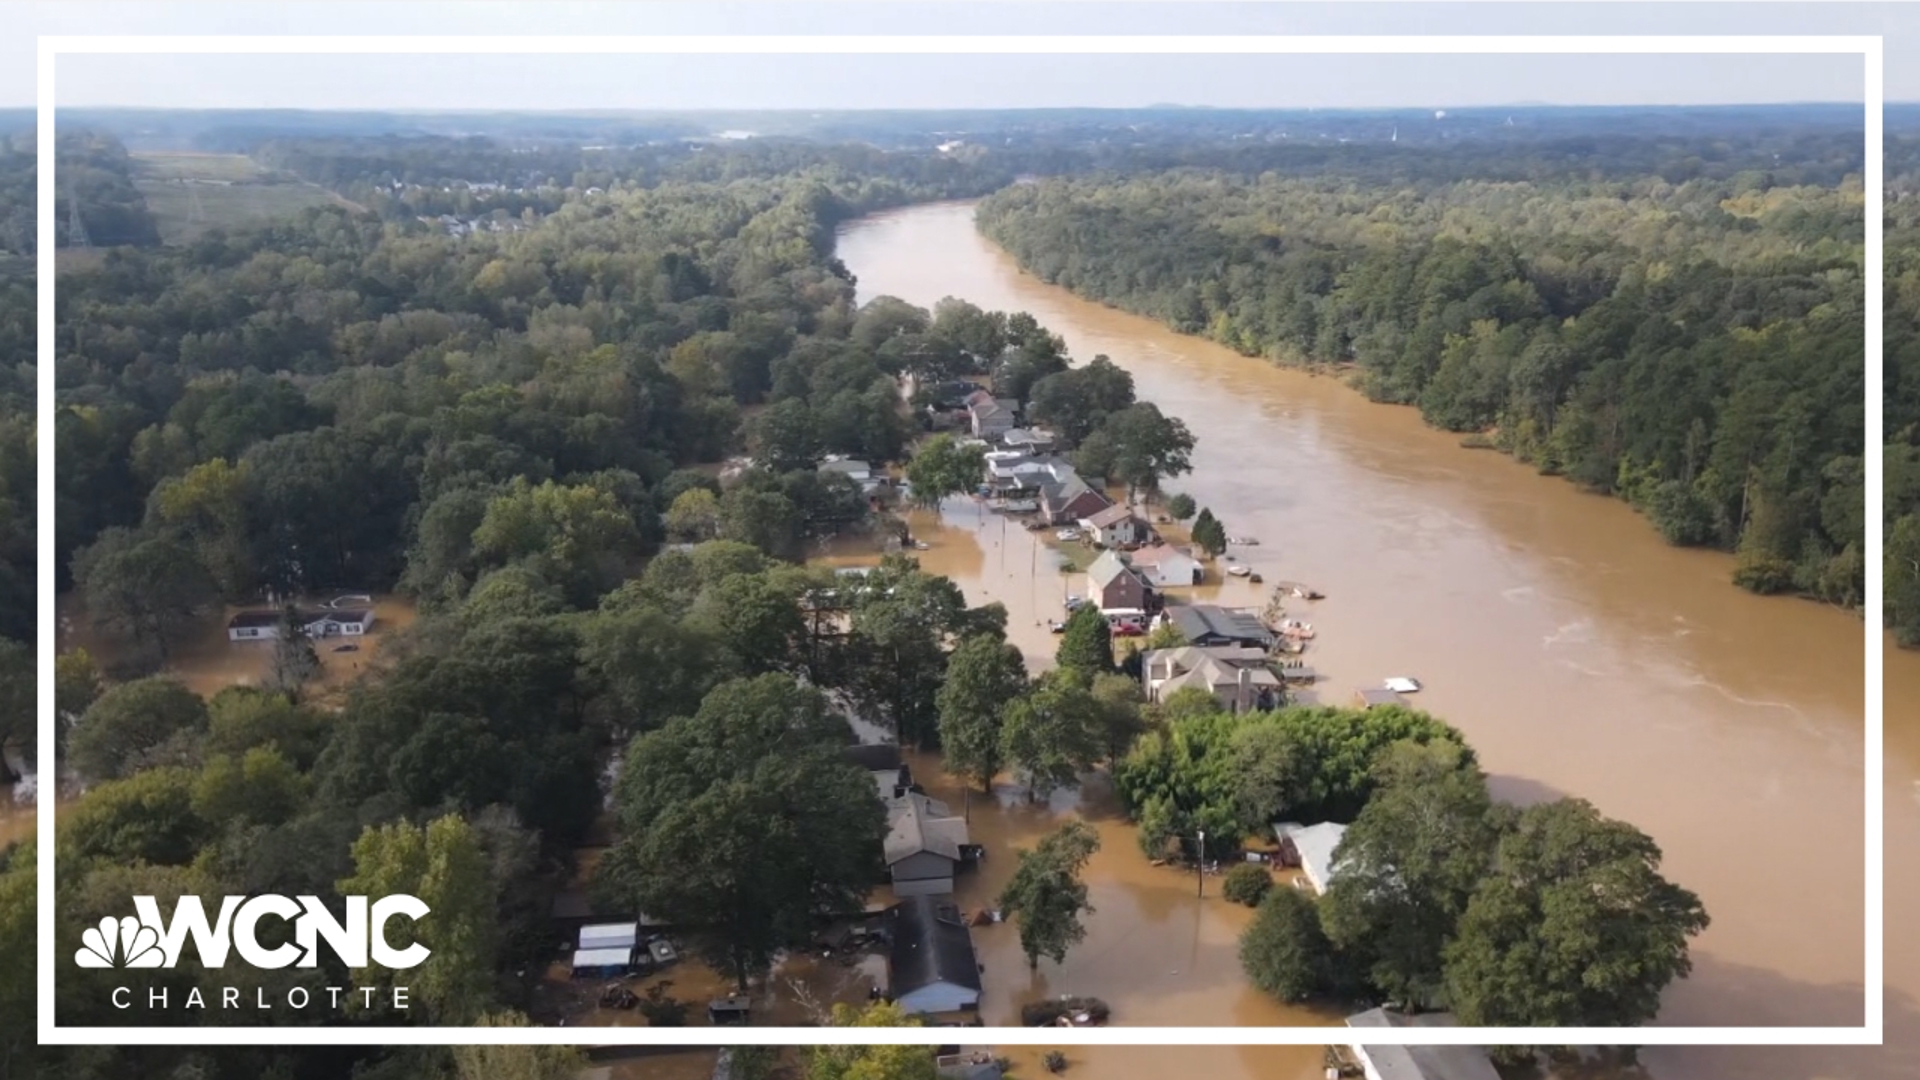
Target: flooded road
[(1580, 654)]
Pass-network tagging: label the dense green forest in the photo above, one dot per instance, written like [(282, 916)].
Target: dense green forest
[(1693, 347), (523, 430), (1900, 408)]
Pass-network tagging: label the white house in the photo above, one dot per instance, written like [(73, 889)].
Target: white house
[(1116, 526), (1312, 847), (1165, 565), (265, 625), (1418, 1062)]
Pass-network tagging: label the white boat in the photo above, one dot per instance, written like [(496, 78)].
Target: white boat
[(1239, 570), (1243, 541), (1401, 684)]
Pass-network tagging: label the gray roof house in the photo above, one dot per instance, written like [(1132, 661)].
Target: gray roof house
[(1312, 847), (923, 845), (1238, 677), (931, 967), (1418, 1062), (1209, 624)]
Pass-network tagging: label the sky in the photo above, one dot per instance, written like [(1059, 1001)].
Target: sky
[(854, 82)]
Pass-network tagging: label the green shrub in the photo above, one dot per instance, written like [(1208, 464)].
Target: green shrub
[(1248, 884)]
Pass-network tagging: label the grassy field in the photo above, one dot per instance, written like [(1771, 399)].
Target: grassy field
[(191, 193)]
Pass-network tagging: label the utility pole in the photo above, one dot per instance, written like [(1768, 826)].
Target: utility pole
[(1200, 868)]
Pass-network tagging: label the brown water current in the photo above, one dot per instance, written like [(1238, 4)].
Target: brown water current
[(1580, 654)]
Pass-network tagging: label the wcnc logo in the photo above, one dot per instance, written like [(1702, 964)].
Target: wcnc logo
[(150, 941)]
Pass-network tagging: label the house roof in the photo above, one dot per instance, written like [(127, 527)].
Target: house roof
[(1378, 695), (338, 616), (253, 618), (610, 935), (1200, 621), (1112, 515), (1198, 668), (1106, 568), (593, 958), (848, 467), (1061, 492), (1316, 845), (1422, 1062), (873, 757), (931, 944), (1160, 553), (917, 823)]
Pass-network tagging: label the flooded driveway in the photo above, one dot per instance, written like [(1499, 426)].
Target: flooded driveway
[(1581, 654)]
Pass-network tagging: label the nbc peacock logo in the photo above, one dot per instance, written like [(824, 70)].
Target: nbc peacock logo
[(120, 943)]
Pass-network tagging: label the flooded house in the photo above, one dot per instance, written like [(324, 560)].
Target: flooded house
[(1066, 502), (264, 625), (1117, 526), (892, 777), (1238, 677), (1166, 566), (605, 950), (931, 966), (989, 417), (1114, 586), (1210, 624), (1375, 696), (1032, 440), (925, 845), (1311, 848), (1418, 1062)]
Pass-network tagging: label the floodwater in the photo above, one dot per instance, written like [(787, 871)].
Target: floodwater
[(1580, 654)]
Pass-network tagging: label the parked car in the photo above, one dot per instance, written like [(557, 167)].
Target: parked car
[(1128, 629)]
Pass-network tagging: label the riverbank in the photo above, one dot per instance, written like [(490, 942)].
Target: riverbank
[(1580, 654)]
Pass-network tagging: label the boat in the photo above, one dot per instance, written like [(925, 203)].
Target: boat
[(1401, 684), (1294, 628), (1055, 626), (1239, 570), (921, 545), (1243, 541)]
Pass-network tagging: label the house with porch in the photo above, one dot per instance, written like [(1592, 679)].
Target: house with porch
[(925, 845), (1066, 502)]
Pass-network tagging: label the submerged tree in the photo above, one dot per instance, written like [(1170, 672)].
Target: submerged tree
[(985, 675), (1046, 896)]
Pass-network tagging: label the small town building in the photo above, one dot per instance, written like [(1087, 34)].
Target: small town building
[(931, 967), (924, 846), (1375, 696), (1418, 1062), (991, 418), (608, 963), (264, 625), (857, 471), (1033, 440), (1311, 848), (1117, 526), (1066, 502), (1114, 586), (1239, 678), (1210, 624), (1166, 566)]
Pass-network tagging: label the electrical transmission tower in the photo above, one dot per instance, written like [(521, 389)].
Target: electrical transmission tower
[(76, 229)]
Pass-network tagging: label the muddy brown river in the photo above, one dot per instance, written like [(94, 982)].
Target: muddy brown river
[(1581, 655)]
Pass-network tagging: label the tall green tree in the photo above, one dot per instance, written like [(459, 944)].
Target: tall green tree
[(984, 676), (903, 1062), (942, 467), (1086, 647), (443, 865), (17, 693), (1053, 733), (745, 820), (1406, 867), (1046, 897), (149, 589), (1572, 926), (134, 724), (1284, 951)]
